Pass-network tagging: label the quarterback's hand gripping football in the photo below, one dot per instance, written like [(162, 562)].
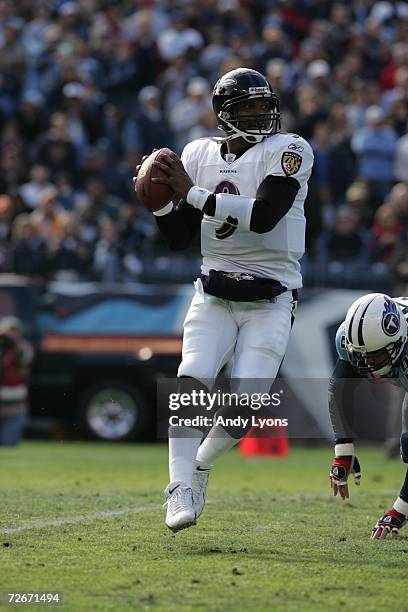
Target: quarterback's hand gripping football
[(391, 522), (341, 467), (176, 176)]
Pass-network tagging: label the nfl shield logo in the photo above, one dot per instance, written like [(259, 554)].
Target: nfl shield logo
[(291, 163)]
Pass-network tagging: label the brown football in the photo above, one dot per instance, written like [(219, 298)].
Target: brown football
[(153, 196)]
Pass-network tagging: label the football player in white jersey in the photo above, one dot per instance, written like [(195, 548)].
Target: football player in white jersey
[(245, 192), (371, 343)]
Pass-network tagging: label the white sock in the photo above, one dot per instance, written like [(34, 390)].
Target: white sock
[(216, 443), (182, 453), (401, 506)]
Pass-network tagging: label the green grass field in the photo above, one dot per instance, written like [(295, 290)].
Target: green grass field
[(271, 538)]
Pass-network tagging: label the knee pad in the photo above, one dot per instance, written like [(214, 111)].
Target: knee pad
[(404, 447)]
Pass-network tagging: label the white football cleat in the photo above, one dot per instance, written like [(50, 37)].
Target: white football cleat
[(180, 511), (200, 484)]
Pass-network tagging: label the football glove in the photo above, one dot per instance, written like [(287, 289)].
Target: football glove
[(391, 522), (341, 467)]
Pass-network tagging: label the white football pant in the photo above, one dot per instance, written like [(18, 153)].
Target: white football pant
[(255, 334)]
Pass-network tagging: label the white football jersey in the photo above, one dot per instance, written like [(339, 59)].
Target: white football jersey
[(225, 247)]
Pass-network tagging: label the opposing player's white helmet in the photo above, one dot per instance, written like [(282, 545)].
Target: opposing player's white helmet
[(375, 334)]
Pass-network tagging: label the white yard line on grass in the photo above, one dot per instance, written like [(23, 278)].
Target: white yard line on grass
[(79, 518)]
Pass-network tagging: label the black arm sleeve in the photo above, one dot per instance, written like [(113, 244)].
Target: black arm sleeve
[(180, 226), (274, 197), (342, 385)]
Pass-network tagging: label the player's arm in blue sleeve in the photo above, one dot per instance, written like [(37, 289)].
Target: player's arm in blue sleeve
[(342, 385)]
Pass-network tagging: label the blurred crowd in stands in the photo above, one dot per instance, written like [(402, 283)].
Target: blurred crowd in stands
[(89, 86)]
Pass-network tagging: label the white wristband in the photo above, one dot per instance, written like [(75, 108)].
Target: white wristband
[(401, 506), (197, 197), (344, 450), (164, 211)]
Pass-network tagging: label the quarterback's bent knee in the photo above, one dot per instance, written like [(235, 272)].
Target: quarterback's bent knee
[(190, 369)]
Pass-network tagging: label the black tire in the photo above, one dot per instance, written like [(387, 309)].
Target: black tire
[(113, 411)]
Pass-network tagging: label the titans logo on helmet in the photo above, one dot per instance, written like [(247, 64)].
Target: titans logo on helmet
[(390, 320)]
